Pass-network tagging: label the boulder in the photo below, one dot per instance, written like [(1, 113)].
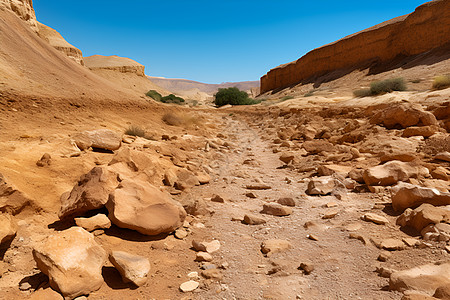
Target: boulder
[(443, 292), (320, 185), (270, 247), (287, 157), (423, 216), (286, 201), (425, 131), (99, 221), (8, 228), (91, 192), (425, 279), (390, 173), (405, 195), (101, 138), (186, 180), (276, 209), (132, 268), (403, 116), (140, 206), (440, 173), (13, 201), (72, 260)]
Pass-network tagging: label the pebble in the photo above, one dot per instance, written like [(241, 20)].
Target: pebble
[(203, 256), (307, 268), (312, 237), (377, 219), (181, 233), (189, 286)]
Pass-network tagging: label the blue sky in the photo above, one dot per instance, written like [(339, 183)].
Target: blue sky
[(212, 41)]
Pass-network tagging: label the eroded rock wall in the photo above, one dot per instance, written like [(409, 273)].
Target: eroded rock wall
[(114, 63), (427, 28), (23, 9)]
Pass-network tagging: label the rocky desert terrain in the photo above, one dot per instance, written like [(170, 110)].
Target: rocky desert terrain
[(319, 196)]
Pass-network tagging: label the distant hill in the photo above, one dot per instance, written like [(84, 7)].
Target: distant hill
[(181, 86)]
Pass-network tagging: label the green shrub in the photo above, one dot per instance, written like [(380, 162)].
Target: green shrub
[(309, 94), (233, 96), (154, 94), (362, 93), (287, 98), (135, 131), (441, 82), (387, 86), (172, 99)]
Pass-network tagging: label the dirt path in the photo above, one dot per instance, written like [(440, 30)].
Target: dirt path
[(344, 268)]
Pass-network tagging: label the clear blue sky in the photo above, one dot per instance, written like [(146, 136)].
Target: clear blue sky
[(212, 41)]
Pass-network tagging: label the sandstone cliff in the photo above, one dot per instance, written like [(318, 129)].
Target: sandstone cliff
[(23, 9), (55, 39), (115, 63), (427, 28)]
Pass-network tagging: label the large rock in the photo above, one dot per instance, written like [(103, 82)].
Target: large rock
[(140, 206), (91, 192), (423, 216), (13, 201), (276, 209), (72, 260), (132, 268), (425, 278), (425, 131), (403, 116), (436, 232), (425, 29), (390, 173), (321, 185), (8, 228), (318, 146), (99, 221), (101, 138), (405, 195)]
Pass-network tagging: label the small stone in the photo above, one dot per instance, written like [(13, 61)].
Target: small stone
[(212, 274), (360, 237), (99, 221), (377, 219), (208, 266), (307, 268), (384, 256), (287, 157), (181, 233), (203, 256), (25, 286), (189, 286), (353, 227), (287, 201), (210, 247), (132, 268), (392, 244), (192, 275), (330, 214), (384, 272), (276, 209), (217, 198), (270, 247), (331, 204), (253, 220), (312, 237), (410, 242), (260, 186), (250, 195), (45, 160)]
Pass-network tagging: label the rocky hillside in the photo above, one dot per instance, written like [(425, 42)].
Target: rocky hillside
[(23, 9), (114, 63), (426, 29)]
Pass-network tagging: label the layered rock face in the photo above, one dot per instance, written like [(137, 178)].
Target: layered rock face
[(427, 28), (55, 39), (22, 8), (115, 63)]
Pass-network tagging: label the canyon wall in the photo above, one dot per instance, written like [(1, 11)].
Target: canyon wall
[(23, 9), (427, 28)]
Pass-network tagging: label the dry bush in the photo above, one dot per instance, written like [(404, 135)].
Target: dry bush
[(178, 119), (135, 131), (441, 82)]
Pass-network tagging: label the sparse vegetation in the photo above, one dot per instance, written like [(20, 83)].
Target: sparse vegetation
[(135, 131), (382, 87), (309, 94), (154, 94), (287, 98), (233, 96), (441, 82), (178, 119), (172, 99)]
